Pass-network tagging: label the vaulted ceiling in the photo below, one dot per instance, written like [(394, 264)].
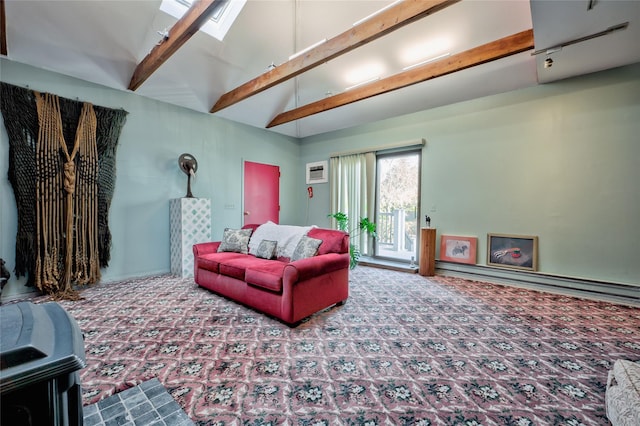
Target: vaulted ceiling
[(493, 46)]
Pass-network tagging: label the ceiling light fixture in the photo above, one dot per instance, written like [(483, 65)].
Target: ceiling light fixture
[(366, 18), (364, 71), (428, 48), (559, 47), (371, 80), (426, 61), (307, 49)]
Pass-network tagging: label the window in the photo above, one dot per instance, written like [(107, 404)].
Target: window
[(218, 9), (397, 205), (224, 13), (383, 184)]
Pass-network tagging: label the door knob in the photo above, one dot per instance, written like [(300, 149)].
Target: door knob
[(247, 213)]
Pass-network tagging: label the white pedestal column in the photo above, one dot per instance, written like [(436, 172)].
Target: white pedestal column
[(190, 224)]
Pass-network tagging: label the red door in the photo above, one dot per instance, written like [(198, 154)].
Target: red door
[(261, 193)]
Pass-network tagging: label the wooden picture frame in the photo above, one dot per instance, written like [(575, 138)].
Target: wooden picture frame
[(458, 249), (512, 251)]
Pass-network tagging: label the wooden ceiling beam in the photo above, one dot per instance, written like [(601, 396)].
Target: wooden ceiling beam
[(377, 26), (179, 34), (492, 51), (3, 29)]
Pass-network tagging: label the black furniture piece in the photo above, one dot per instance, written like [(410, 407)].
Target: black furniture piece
[(41, 353)]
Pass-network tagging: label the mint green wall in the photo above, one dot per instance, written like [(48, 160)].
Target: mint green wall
[(560, 161), (148, 176)]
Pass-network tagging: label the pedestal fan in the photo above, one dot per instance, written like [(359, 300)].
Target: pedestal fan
[(189, 165)]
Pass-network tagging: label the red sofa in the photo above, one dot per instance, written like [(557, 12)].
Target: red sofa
[(289, 291)]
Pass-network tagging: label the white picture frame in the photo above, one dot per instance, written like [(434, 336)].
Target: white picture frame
[(317, 172)]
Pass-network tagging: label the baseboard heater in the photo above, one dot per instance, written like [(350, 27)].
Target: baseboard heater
[(628, 294)]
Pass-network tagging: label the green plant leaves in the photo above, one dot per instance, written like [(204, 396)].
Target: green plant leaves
[(364, 225)]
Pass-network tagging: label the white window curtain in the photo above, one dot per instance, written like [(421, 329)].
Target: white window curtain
[(352, 191)]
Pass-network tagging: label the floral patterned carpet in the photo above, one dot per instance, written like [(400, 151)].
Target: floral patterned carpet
[(404, 350)]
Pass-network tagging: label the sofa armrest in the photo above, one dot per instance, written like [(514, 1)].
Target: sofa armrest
[(205, 248), (310, 267)]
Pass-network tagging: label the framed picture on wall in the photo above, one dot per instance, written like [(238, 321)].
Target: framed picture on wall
[(458, 249), (512, 251)]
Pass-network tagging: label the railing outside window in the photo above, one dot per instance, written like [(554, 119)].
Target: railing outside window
[(392, 232)]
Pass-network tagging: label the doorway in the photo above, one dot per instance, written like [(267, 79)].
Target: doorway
[(397, 205), (261, 193)]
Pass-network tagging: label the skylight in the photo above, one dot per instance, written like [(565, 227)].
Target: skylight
[(224, 13)]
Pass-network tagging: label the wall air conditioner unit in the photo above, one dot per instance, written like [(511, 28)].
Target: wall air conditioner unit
[(317, 172)]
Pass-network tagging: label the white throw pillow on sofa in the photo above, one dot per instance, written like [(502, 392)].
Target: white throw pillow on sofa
[(287, 237)]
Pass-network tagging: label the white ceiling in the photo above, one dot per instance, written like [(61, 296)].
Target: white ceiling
[(103, 41)]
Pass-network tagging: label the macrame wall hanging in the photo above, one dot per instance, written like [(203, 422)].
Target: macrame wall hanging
[(62, 170)]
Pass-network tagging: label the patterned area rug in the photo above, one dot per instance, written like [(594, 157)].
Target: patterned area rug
[(404, 350)]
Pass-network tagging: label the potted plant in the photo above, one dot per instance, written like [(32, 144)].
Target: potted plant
[(364, 225)]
